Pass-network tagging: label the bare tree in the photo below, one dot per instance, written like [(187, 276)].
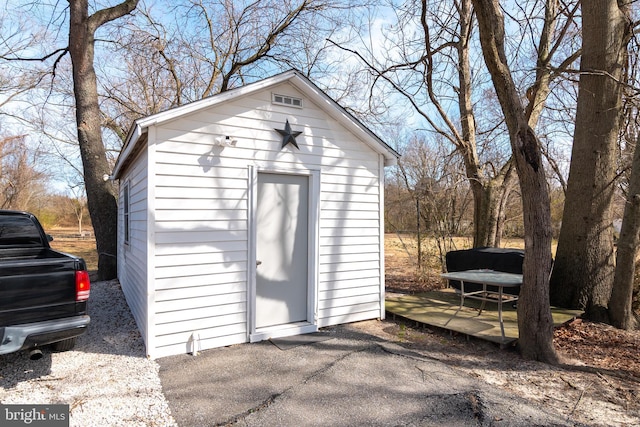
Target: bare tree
[(434, 73), (438, 198), (21, 182), (584, 268), (620, 308), (77, 204), (100, 195), (428, 80), (624, 305), (534, 315), (15, 38), (211, 47)]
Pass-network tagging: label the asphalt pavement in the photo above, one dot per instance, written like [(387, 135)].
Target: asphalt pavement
[(340, 377)]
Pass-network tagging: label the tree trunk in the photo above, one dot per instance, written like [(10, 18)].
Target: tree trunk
[(584, 268), (510, 181), (100, 195), (485, 215), (534, 315), (488, 193), (620, 306), (490, 198)]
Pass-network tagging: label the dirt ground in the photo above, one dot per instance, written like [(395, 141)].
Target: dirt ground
[(598, 382)]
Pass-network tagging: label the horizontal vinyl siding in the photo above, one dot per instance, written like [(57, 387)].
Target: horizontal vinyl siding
[(211, 338), (199, 281), (349, 271), (200, 252), (132, 257), (323, 141), (201, 218), (173, 295)]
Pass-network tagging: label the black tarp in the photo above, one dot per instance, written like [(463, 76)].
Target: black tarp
[(507, 260)]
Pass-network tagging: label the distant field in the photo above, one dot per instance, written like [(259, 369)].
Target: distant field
[(66, 240), (400, 251), (401, 266)]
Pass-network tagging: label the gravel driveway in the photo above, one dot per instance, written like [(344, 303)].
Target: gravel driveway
[(106, 380)]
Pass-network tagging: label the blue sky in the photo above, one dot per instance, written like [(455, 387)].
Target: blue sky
[(51, 16)]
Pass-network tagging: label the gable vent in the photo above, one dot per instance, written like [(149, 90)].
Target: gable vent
[(289, 101)]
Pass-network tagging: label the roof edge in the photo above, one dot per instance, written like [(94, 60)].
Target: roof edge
[(299, 80), (132, 138), (347, 117)]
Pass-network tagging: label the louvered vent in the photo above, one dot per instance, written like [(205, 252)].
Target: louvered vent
[(289, 101)]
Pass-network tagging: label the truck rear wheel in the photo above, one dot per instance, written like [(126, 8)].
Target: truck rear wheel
[(64, 345)]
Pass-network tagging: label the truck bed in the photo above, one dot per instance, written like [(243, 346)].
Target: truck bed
[(35, 285), (43, 292)]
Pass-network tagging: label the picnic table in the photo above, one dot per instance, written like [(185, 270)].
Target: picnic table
[(493, 285)]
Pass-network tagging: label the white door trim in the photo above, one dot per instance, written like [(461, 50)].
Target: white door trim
[(311, 324)]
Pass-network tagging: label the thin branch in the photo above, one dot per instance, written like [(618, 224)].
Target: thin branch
[(378, 74), (266, 46), (62, 51), (603, 74)]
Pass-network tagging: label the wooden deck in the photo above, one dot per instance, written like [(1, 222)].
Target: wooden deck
[(438, 308)]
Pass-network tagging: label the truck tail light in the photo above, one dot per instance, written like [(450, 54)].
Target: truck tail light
[(83, 285)]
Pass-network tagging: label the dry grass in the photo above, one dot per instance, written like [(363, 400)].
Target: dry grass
[(84, 248), (403, 274), (595, 345)]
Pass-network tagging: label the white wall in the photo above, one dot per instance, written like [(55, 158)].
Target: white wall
[(132, 257), (201, 217)]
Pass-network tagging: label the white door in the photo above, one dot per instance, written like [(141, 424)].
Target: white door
[(282, 229)]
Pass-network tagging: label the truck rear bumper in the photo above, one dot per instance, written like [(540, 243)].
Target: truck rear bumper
[(29, 335)]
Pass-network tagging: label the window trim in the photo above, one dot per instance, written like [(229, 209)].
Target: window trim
[(126, 212)]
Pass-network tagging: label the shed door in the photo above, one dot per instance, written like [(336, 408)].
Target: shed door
[(282, 223)]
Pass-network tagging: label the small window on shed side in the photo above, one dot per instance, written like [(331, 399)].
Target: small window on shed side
[(126, 210), (289, 101)]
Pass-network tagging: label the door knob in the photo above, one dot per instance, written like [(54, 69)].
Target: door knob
[(258, 262)]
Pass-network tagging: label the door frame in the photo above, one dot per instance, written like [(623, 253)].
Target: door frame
[(311, 323)]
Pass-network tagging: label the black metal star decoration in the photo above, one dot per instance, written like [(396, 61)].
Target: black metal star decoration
[(288, 136)]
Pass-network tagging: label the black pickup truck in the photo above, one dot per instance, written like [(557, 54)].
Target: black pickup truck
[(43, 292)]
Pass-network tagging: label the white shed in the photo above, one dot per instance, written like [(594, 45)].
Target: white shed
[(253, 214)]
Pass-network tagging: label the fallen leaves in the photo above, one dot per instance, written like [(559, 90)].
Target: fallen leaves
[(600, 346)]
